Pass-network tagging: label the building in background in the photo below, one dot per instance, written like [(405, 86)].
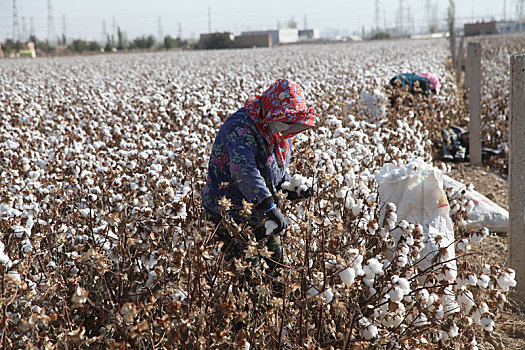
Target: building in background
[(510, 27), (279, 36), (493, 27), (255, 40), (480, 28), (309, 34)]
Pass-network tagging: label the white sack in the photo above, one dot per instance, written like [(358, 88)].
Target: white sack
[(417, 191), (485, 213)]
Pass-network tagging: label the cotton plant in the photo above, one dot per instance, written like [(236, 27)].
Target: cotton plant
[(104, 242)]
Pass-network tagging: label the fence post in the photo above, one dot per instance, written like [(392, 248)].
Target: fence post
[(453, 48), (474, 86), (459, 59), (517, 174)]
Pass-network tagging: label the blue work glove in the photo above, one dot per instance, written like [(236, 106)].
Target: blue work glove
[(273, 213)]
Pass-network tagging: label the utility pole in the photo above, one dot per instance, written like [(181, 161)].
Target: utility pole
[(16, 25), (377, 16), (114, 32), (64, 33), (24, 29), (32, 27), (400, 16), (305, 22), (50, 24), (104, 33), (161, 33), (209, 19), (179, 30)]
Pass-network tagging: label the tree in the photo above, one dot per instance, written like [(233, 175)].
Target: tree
[(451, 16), (78, 45), (218, 41), (122, 40), (381, 36), (143, 42), (94, 46), (10, 46), (170, 43), (110, 47)]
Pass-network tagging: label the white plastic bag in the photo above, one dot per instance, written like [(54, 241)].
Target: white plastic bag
[(485, 213), (373, 104), (417, 191)]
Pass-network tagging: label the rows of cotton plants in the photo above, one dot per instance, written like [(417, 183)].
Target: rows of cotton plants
[(104, 242)]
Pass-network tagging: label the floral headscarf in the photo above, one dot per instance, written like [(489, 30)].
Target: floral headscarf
[(282, 102)]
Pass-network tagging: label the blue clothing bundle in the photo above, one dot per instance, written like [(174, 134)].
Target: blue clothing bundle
[(409, 80)]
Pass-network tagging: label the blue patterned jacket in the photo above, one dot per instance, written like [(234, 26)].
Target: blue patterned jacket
[(240, 168)]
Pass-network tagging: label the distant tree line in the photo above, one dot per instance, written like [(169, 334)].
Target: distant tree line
[(121, 43)]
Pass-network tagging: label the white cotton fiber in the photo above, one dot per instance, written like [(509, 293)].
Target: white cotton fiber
[(270, 226), (347, 276)]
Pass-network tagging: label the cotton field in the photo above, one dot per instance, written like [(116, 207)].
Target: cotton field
[(104, 242)]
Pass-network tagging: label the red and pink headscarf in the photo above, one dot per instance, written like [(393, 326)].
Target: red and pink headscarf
[(434, 80), (282, 102)]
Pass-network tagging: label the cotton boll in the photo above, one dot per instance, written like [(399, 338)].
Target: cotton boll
[(466, 300), (19, 231), (350, 203), (401, 260), (27, 247), (391, 207), (4, 260), (374, 267), (506, 280), (329, 295), (463, 245), (483, 281), (396, 294), (368, 330), (270, 226), (348, 276)]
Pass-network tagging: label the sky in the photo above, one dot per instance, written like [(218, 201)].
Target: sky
[(84, 19)]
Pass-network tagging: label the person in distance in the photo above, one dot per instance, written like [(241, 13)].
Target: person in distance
[(248, 165), (422, 83)]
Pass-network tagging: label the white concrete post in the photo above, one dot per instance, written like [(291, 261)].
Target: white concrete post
[(459, 59), (453, 47), (517, 174), (474, 86)]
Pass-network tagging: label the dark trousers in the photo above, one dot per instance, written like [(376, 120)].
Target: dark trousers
[(233, 247)]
